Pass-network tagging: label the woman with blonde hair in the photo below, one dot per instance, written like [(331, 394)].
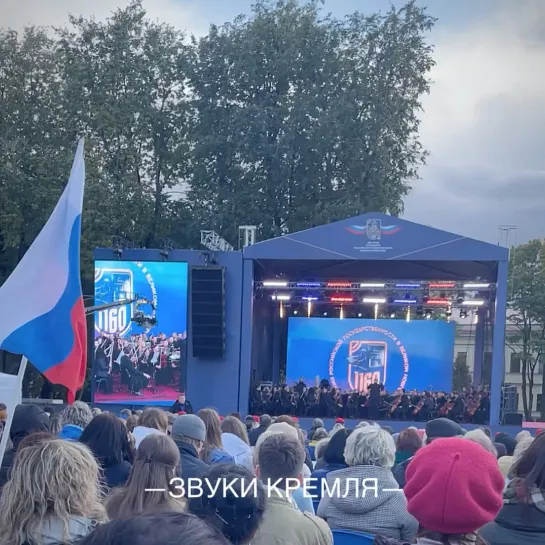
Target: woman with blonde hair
[(53, 495), (157, 464), (214, 452), (151, 421), (235, 442)]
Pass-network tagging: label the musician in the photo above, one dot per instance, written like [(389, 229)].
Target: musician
[(136, 379), (181, 404), (102, 369), (374, 398)]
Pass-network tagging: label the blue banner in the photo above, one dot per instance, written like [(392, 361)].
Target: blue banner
[(353, 353), (163, 284)]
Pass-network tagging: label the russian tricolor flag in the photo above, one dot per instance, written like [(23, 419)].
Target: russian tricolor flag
[(43, 316)]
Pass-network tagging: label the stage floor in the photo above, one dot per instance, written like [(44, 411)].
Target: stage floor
[(163, 396)]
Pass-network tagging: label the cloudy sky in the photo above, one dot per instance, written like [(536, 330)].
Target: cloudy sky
[(484, 121)]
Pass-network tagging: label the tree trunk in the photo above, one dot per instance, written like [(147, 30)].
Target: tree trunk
[(524, 388)]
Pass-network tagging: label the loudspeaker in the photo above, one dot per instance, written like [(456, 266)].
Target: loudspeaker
[(513, 419), (509, 399), (208, 312)]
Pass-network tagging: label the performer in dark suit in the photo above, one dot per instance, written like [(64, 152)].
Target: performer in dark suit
[(137, 379), (181, 404)]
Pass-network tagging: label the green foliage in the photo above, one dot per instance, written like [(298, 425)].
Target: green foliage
[(461, 377), (285, 119), (526, 316)]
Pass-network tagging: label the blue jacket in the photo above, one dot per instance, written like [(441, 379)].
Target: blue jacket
[(70, 432), (192, 467), (320, 474), (219, 456)]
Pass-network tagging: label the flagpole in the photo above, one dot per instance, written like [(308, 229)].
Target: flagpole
[(11, 410)]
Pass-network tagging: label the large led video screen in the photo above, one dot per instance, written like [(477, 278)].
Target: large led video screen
[(352, 353), (140, 332)]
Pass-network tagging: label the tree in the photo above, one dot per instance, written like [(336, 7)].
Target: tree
[(526, 315), (304, 119), (461, 377)]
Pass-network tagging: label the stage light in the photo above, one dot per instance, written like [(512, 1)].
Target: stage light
[(371, 285), (476, 286), (309, 308), (281, 297), (408, 318), (405, 301), (437, 301), (463, 313), (374, 300), (275, 284), (359, 314), (392, 315), (408, 286), (341, 313), (441, 285), (339, 284), (376, 312), (309, 298), (295, 312), (473, 303), (476, 319), (342, 299), (308, 284), (428, 315), (325, 313), (281, 311)]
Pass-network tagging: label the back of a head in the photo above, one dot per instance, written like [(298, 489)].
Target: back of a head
[(530, 467), (320, 433), (78, 414), (212, 422), (235, 506), (280, 457), (337, 427), (162, 528), (236, 427), (107, 437), (51, 478), (334, 451), (131, 422), (320, 447), (28, 419), (285, 419), (265, 420), (479, 436), (317, 423), (524, 434), (370, 446), (35, 439), (156, 465), (236, 415), (408, 441), (154, 418)]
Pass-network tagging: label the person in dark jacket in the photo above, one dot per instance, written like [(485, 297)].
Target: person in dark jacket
[(522, 518), (27, 419), (181, 405), (435, 429), (189, 434), (264, 422), (108, 439), (334, 459)]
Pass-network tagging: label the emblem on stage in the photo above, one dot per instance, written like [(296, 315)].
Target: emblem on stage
[(373, 229), (113, 286), (366, 363)]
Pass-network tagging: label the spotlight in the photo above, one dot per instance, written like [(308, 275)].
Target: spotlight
[(392, 315), (463, 313), (325, 313), (428, 315), (359, 314), (295, 312)]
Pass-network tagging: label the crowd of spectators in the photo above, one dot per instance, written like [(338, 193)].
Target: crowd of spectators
[(96, 478)]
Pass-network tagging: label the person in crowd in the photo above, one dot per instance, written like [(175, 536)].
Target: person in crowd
[(53, 495), (509, 443), (319, 434), (35, 439), (27, 419), (55, 424), (302, 500), (214, 453), (264, 422), (317, 423), (524, 434), (151, 421), (408, 442), (74, 418), (280, 458), (319, 450), (369, 454), (171, 417), (131, 423), (125, 413), (479, 436), (250, 423), (235, 442), (362, 424), (156, 468), (95, 411), (108, 440), (289, 426), (236, 415), (334, 459), (158, 528), (435, 429), (522, 517), (236, 510), (181, 405), (453, 488), (189, 434)]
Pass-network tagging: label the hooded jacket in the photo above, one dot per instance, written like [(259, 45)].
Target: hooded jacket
[(381, 510), (52, 531), (141, 432), (239, 450), (27, 419)]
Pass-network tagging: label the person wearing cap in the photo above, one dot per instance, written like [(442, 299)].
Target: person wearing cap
[(454, 487), (435, 429), (522, 517), (264, 422), (189, 434)]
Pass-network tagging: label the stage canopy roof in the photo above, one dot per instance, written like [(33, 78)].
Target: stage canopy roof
[(338, 249)]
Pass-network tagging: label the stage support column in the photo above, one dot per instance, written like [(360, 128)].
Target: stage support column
[(498, 346), (478, 359), (276, 348), (246, 324)]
